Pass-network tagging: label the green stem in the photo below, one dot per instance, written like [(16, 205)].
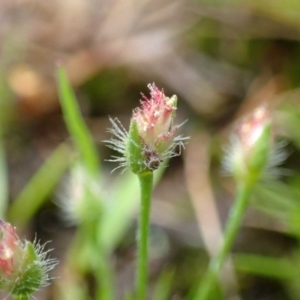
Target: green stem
[(21, 297), (235, 219), (146, 183), (103, 270), (88, 255), (104, 277)]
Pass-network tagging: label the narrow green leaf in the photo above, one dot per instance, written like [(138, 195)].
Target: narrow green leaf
[(129, 296), (39, 187), (123, 206), (163, 286), (3, 182), (273, 267), (75, 123)]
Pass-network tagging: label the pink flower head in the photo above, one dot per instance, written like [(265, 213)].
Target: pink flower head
[(8, 243), (252, 129), (253, 152), (151, 137), (155, 119), (24, 266)]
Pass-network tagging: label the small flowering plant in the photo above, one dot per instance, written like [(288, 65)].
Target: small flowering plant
[(251, 155), (151, 139), (252, 148), (24, 266)]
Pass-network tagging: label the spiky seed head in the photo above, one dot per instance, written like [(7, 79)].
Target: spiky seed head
[(151, 137), (24, 266), (251, 148)]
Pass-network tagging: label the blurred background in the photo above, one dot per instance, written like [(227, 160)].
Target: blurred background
[(222, 59)]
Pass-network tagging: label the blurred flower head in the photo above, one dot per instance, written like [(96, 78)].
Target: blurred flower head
[(253, 152), (24, 266), (9, 244), (79, 196)]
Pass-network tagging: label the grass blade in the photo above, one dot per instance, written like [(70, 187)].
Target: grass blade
[(75, 123), (39, 187)]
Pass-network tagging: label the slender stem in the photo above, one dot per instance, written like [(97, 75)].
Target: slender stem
[(146, 183), (101, 261), (104, 278), (21, 297), (234, 222), (88, 255)]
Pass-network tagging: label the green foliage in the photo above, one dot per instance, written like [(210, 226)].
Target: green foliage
[(163, 285), (96, 236), (40, 187), (3, 181), (75, 123), (239, 52)]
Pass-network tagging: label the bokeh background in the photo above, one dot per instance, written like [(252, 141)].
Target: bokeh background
[(222, 59)]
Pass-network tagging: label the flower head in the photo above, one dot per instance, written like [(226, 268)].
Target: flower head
[(8, 245), (79, 196), (253, 150), (155, 119), (151, 137), (24, 266)]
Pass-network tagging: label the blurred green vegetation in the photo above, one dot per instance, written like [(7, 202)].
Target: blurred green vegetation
[(222, 59)]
